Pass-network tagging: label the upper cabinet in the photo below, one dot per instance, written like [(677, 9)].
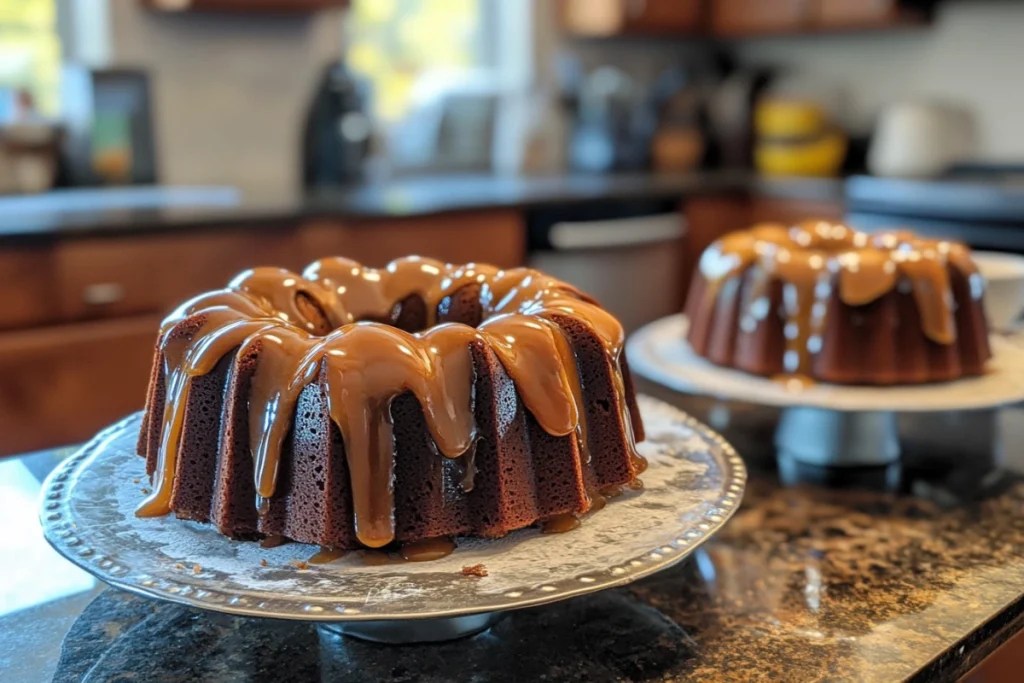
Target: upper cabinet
[(736, 18), (852, 14), (625, 17), (752, 17), (291, 6)]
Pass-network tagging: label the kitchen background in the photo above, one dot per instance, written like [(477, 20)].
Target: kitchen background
[(150, 150)]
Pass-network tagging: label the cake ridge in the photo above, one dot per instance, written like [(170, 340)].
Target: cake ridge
[(368, 364)]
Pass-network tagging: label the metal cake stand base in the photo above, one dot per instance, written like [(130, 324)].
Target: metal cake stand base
[(826, 424), (818, 436), (415, 630)]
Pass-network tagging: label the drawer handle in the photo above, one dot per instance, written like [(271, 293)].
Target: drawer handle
[(103, 293)]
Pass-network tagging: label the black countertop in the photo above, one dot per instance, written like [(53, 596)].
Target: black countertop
[(70, 213), (90, 212), (805, 583)]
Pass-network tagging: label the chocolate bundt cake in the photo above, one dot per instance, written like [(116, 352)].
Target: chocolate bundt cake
[(823, 302), (351, 407)]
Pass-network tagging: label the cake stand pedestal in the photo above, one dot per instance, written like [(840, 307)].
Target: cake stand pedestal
[(824, 424), (693, 484)]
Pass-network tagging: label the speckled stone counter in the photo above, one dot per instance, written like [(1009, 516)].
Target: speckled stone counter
[(806, 583)]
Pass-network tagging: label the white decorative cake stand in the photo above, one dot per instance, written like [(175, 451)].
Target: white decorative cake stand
[(824, 424), (693, 484)]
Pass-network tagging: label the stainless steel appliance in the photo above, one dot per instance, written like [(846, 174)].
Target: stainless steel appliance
[(627, 255)]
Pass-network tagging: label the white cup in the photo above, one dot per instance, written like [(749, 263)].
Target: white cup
[(1004, 287)]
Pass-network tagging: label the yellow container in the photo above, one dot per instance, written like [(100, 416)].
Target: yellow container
[(788, 119), (820, 156)]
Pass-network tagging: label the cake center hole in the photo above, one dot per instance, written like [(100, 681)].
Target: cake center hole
[(312, 314)]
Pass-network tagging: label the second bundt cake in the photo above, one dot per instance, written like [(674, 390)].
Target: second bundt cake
[(352, 407), (823, 302)]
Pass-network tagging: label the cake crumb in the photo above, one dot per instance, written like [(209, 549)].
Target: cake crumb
[(477, 570), (300, 564), (197, 569), (136, 480), (263, 563), (179, 565), (145, 492)]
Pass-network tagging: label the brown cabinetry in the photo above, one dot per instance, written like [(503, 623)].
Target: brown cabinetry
[(59, 385), (734, 18), (623, 17), (847, 14), (749, 17)]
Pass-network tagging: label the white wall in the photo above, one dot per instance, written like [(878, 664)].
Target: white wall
[(229, 92), (973, 54)]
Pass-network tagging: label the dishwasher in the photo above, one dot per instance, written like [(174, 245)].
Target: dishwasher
[(626, 254)]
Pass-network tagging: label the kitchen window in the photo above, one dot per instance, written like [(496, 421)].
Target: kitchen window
[(438, 66), (29, 54)]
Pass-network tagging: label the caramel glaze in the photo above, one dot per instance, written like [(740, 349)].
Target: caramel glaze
[(288, 319), (559, 524), (812, 257), (327, 555), (427, 549)]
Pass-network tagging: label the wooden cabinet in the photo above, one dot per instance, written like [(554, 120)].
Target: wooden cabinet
[(624, 17), (846, 14), (105, 277), (60, 385), (496, 237), (734, 18), (759, 17), (28, 287)]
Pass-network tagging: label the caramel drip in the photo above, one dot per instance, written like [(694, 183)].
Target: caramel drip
[(794, 382), (374, 558), (180, 365), (367, 365), (612, 491), (559, 524), (815, 256), (273, 316), (282, 292), (428, 549), (273, 541), (326, 556), (542, 365)]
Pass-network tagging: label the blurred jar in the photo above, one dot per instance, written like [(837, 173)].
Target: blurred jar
[(796, 138)]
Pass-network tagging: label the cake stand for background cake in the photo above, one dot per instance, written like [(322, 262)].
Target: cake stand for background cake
[(692, 486), (825, 424)]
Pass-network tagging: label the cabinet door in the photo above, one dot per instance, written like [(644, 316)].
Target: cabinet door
[(28, 287), (752, 17), (617, 17), (496, 237), (841, 14), (662, 16), (109, 277), (60, 385)]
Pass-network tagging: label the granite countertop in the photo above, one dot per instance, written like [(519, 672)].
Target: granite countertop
[(88, 212), (805, 583)]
